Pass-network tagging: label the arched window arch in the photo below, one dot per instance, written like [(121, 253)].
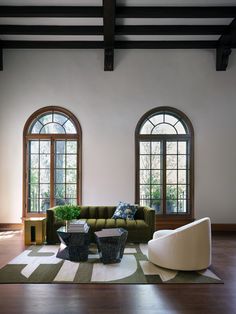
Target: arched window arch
[(52, 149), (164, 162)]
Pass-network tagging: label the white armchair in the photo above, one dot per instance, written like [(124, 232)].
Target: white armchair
[(185, 248)]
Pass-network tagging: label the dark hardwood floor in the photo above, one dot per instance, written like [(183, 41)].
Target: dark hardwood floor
[(126, 299)]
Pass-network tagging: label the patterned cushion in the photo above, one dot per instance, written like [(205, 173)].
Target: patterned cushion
[(125, 211)]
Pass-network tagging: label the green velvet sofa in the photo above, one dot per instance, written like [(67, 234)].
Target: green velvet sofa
[(140, 229)]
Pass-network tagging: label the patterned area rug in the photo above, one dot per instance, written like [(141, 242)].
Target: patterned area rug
[(39, 264)]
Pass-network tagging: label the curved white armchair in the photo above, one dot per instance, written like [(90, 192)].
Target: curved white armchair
[(185, 248)]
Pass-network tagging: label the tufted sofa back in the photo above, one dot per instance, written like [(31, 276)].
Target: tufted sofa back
[(96, 212)]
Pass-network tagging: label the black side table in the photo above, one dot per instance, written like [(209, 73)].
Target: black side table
[(74, 245), (111, 244)]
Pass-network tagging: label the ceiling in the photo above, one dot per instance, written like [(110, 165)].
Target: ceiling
[(119, 24)]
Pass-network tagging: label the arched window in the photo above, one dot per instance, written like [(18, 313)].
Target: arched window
[(52, 160), (164, 162)]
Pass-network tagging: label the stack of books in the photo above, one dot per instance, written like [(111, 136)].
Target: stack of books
[(78, 226)]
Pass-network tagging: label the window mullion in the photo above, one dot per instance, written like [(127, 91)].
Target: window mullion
[(163, 153), (52, 172)]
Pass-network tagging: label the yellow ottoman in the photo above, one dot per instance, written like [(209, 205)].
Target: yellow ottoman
[(35, 230)]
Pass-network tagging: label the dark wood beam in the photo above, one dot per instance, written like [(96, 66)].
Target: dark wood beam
[(109, 11), (30, 44), (1, 59), (177, 12), (170, 29), (225, 43), (50, 11), (170, 44), (122, 12), (50, 30), (119, 30)]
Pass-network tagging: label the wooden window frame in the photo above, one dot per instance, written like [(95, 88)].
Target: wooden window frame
[(52, 137), (167, 219)]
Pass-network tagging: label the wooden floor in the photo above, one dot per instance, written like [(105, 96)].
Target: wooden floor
[(125, 299)]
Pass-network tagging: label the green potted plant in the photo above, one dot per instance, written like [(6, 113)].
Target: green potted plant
[(67, 212)]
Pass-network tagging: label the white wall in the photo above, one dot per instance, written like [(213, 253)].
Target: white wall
[(109, 105)]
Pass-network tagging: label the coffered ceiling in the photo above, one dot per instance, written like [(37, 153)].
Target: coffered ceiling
[(119, 24)]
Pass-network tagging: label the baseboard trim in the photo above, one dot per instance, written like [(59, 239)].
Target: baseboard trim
[(7, 226), (223, 227)]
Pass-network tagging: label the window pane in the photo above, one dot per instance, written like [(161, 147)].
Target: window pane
[(60, 176), (60, 147), (71, 176), (182, 148), (171, 148), (69, 127), (36, 128), (44, 147), (60, 201), (34, 190), (59, 118), (34, 147), (34, 205), (34, 176), (44, 176), (71, 147), (170, 119), (71, 161), (60, 161), (34, 161), (145, 203), (156, 147), (44, 191), (181, 176), (144, 176), (53, 128), (171, 161), (182, 162), (180, 128), (159, 118), (145, 191), (45, 161), (171, 192), (182, 191), (164, 129), (171, 177), (71, 191), (44, 204), (47, 118), (156, 164), (144, 147), (171, 206), (60, 191), (156, 177), (145, 162), (156, 192), (147, 128), (182, 206)]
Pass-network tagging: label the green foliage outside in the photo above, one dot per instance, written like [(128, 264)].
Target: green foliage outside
[(67, 212)]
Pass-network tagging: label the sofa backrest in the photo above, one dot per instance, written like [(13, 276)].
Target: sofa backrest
[(105, 212)]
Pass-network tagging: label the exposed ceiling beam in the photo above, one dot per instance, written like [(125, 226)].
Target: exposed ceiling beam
[(109, 11), (50, 30), (174, 44), (1, 59), (122, 12), (177, 12), (224, 47), (50, 11), (170, 29), (53, 44), (119, 30)]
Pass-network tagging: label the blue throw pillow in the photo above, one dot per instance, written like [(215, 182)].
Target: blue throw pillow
[(125, 211)]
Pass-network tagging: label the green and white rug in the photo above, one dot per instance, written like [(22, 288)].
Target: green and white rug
[(39, 264)]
